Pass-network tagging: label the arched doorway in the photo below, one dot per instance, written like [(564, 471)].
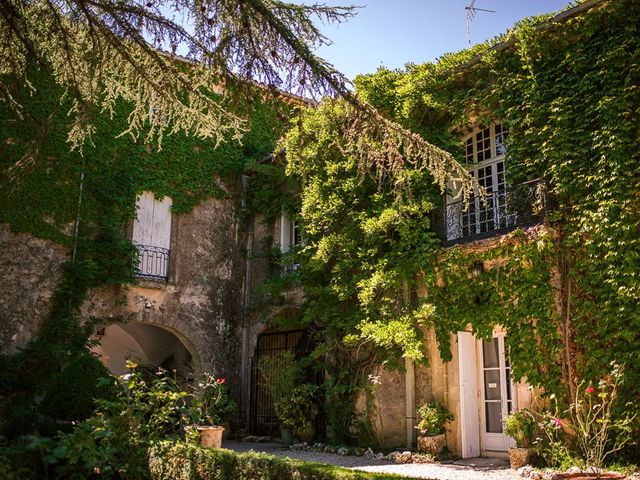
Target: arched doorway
[(146, 344)]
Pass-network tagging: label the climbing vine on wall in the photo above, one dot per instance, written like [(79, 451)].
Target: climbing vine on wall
[(41, 183), (568, 293)]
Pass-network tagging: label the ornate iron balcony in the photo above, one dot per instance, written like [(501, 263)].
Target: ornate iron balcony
[(289, 268), (153, 262), (497, 213)]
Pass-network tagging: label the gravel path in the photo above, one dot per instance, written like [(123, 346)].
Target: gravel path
[(476, 468)]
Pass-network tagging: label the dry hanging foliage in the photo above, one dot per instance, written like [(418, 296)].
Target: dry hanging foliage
[(102, 52)]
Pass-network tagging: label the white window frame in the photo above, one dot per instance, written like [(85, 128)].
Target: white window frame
[(477, 213), (289, 230)]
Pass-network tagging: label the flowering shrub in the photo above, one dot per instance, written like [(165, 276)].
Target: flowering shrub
[(213, 403), (433, 418), (598, 433), (590, 426), (114, 441)]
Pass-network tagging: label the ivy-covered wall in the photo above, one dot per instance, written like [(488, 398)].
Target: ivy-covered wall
[(567, 292), (61, 299)]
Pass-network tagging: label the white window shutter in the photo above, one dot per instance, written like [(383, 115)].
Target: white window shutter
[(285, 233), (469, 419), (152, 235)]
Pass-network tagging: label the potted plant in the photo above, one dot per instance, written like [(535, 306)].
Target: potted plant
[(297, 412), (520, 426), (280, 374), (432, 420), (214, 406)]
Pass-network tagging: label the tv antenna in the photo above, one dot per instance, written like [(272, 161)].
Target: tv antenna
[(471, 13)]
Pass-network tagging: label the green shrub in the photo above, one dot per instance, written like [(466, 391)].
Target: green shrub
[(115, 440), (181, 461), (298, 410), (6, 470), (521, 426), (73, 393)]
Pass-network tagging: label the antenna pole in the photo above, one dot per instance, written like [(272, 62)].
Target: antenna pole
[(471, 13)]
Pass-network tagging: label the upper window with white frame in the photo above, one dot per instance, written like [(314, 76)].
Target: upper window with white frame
[(289, 233), (290, 237), (485, 144), (485, 154)]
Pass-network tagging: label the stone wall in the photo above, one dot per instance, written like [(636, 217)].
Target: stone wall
[(201, 303), (30, 269)]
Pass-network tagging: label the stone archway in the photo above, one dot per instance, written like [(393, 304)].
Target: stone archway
[(148, 344)]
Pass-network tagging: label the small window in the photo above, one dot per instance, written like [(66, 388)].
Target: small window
[(290, 237), (289, 233)]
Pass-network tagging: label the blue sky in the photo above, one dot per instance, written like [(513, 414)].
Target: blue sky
[(394, 32)]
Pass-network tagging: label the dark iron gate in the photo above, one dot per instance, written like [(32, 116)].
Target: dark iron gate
[(262, 417)]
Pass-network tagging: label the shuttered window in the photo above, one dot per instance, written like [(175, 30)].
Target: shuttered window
[(152, 235)]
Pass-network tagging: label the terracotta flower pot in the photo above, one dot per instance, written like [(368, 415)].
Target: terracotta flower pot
[(211, 436), (433, 444), (519, 457)]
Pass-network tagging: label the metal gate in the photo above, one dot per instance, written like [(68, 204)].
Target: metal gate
[(262, 417)]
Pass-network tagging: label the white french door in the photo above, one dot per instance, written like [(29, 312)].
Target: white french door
[(497, 393), (492, 214)]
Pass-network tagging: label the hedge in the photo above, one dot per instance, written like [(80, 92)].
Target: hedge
[(182, 461)]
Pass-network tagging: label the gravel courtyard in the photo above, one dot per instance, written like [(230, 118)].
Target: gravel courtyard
[(477, 468)]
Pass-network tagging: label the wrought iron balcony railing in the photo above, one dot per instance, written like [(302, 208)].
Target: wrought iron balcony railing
[(497, 213), (153, 262), (289, 268)]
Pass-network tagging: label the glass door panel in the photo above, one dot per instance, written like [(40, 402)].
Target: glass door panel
[(497, 393)]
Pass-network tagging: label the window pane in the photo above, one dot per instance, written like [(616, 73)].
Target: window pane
[(469, 150), (500, 139), (492, 390), (490, 353), (493, 416)]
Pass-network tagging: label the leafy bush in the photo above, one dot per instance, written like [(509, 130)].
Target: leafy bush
[(298, 410), (213, 404), (115, 440), (73, 393), (181, 461), (521, 426), (7, 471), (433, 418), (280, 373)]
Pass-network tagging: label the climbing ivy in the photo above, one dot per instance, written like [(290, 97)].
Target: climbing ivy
[(567, 292), (41, 183)]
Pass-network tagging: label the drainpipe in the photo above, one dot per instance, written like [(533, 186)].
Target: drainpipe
[(410, 400), (246, 299), (77, 225), (409, 383)]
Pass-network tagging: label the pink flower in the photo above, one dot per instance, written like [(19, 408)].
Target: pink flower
[(220, 381), (589, 389), (557, 422)]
